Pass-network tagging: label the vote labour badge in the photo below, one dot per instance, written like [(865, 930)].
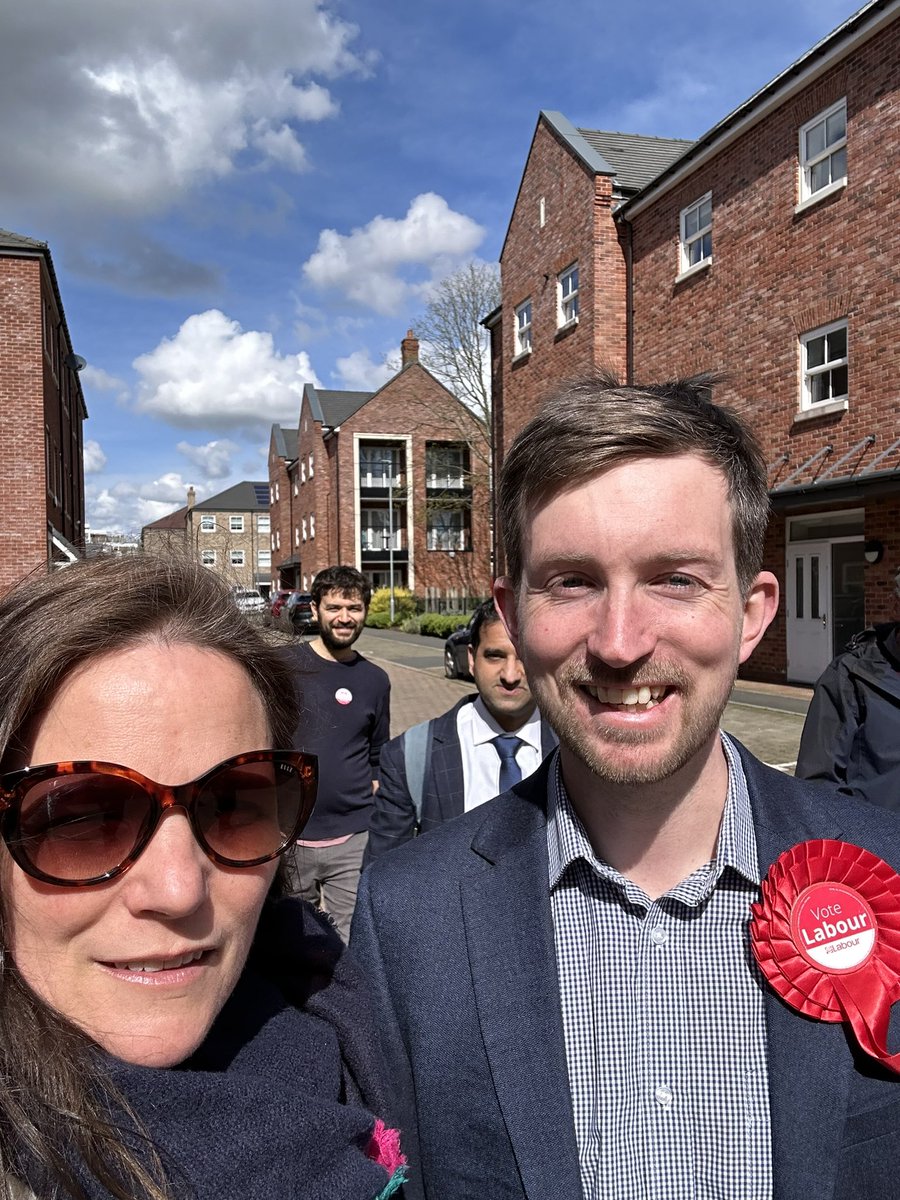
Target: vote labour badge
[(826, 935)]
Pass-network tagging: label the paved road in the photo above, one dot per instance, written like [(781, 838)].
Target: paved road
[(767, 720)]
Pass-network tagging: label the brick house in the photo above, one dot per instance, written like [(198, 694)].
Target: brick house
[(42, 411), (769, 252), (229, 533), (389, 480)]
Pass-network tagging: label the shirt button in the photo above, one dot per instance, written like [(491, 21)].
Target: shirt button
[(664, 1096), (659, 936)]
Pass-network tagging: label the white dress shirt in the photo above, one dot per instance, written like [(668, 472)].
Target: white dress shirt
[(476, 729)]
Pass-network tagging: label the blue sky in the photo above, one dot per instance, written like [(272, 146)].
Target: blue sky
[(242, 198)]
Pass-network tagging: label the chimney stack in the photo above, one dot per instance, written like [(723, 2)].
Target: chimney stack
[(409, 350), (191, 497)]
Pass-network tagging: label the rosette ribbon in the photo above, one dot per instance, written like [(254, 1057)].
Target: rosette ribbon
[(826, 935)]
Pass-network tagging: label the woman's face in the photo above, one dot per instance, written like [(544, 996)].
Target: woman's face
[(145, 962)]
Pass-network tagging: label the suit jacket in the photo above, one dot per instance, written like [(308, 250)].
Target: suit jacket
[(456, 933), (393, 819)]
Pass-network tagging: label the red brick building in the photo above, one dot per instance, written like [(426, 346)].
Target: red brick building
[(390, 480), (767, 251), (41, 414)]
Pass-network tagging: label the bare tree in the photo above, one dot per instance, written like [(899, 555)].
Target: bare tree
[(455, 345)]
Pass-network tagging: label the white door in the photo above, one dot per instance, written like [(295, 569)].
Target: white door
[(809, 637)]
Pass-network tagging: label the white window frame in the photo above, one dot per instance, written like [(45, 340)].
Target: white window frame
[(522, 340), (567, 297), (689, 238), (263, 523), (263, 560), (237, 558), (207, 558), (311, 466), (302, 471), (303, 523), (809, 162), (207, 524), (808, 374), (312, 525), (235, 524)]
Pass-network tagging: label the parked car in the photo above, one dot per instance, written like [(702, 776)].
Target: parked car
[(296, 614), (248, 600), (456, 653), (276, 601)]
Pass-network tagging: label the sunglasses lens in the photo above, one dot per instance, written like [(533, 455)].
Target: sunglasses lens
[(248, 813), (75, 828)]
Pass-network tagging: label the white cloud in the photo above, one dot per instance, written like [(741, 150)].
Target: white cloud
[(95, 379), (369, 264), (213, 375), (358, 373), (214, 459), (145, 102), (94, 458)]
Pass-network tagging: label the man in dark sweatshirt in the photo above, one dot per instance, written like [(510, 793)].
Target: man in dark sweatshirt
[(345, 706)]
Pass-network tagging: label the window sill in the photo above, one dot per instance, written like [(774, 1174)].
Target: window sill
[(564, 330), (694, 270), (827, 408), (821, 194), (521, 356)]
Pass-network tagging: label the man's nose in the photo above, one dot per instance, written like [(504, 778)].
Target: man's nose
[(624, 628)]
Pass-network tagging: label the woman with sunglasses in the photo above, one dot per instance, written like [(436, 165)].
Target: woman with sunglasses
[(169, 1026)]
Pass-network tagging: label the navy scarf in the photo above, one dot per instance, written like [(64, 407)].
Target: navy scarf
[(271, 1105)]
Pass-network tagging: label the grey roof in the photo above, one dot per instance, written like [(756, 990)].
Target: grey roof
[(174, 520), (283, 438), (635, 158), (18, 241), (246, 496), (333, 408)]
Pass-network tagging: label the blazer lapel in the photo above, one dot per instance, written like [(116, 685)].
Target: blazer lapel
[(810, 1062), (445, 774), (509, 932)]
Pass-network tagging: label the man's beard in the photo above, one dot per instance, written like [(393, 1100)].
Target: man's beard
[(331, 643), (596, 747)]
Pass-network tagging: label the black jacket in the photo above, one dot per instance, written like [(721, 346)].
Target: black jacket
[(852, 731)]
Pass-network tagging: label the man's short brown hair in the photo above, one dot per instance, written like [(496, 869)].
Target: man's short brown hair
[(595, 423)]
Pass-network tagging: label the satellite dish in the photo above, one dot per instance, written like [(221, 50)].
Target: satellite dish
[(75, 362)]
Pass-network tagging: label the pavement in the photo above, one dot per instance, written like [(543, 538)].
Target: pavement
[(767, 718)]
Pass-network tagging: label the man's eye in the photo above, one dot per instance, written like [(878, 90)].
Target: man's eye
[(679, 581)]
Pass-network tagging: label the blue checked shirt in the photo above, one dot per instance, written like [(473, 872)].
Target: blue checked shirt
[(663, 1016)]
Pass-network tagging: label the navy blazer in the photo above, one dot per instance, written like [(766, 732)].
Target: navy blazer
[(393, 819), (456, 934)]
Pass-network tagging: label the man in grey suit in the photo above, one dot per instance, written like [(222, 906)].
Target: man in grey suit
[(564, 977), (485, 744)]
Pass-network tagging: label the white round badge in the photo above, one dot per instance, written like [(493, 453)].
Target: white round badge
[(343, 695)]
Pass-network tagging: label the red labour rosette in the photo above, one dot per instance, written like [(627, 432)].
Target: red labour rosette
[(826, 935)]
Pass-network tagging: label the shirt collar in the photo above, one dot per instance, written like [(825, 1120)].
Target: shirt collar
[(485, 728), (567, 841)]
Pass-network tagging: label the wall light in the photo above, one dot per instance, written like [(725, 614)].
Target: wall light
[(873, 551)]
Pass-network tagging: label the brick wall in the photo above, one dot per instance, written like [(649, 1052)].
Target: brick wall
[(578, 227), (23, 483)]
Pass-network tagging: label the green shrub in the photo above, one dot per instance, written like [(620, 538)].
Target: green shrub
[(440, 625), (410, 625), (404, 604), (378, 620)]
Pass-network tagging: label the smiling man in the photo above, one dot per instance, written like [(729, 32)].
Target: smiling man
[(485, 744), (345, 707), (567, 991)]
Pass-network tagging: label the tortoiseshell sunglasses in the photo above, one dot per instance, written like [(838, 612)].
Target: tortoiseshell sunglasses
[(74, 824)]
